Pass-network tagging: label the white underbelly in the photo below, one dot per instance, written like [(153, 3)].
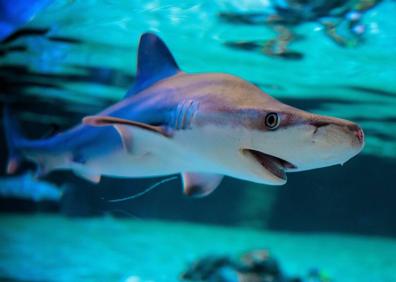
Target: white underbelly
[(156, 155), (146, 164)]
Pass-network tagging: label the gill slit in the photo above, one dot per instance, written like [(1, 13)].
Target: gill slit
[(185, 112)]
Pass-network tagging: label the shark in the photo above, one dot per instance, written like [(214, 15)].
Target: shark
[(203, 126)]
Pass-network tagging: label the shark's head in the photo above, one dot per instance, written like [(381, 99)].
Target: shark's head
[(272, 138), (286, 139)]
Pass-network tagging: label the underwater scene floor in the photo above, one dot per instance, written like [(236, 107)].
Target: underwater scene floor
[(54, 248)]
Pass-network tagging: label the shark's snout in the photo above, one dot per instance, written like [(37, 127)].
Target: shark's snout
[(350, 128), (358, 132)]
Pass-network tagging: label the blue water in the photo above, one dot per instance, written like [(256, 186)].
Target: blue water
[(40, 248)]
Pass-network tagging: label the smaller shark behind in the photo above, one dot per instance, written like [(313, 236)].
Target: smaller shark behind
[(203, 126)]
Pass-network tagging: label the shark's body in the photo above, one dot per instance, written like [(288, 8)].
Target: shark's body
[(201, 125)]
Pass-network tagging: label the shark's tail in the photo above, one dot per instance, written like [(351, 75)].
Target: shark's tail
[(13, 137)]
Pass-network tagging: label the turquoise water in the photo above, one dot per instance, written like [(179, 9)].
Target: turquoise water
[(39, 248), (68, 78)]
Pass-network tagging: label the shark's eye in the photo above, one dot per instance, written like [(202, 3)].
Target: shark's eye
[(272, 120)]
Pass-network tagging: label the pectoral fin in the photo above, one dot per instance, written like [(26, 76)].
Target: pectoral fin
[(200, 184), (107, 120), (122, 125)]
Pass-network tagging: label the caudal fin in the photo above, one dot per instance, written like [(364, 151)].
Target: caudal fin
[(13, 137)]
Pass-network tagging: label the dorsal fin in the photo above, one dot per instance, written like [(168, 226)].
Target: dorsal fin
[(154, 63)]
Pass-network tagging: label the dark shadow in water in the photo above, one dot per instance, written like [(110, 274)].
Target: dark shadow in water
[(7, 50), (38, 32), (380, 135), (244, 45), (165, 202), (356, 198), (244, 18), (15, 74), (52, 107), (25, 32), (375, 91), (259, 47), (17, 205), (64, 39), (380, 120), (13, 279)]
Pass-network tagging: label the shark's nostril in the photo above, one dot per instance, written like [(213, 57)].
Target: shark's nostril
[(360, 135), (357, 131)]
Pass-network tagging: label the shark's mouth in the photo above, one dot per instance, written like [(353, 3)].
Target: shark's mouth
[(275, 165)]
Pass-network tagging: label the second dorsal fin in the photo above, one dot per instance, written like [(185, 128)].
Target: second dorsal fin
[(154, 63)]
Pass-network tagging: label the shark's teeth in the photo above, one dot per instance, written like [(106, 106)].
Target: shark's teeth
[(273, 164)]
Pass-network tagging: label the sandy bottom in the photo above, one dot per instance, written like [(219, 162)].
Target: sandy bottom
[(54, 248)]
